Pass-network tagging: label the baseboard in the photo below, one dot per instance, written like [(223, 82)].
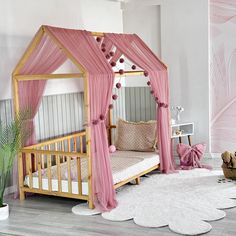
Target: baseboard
[(9, 190), (215, 155)]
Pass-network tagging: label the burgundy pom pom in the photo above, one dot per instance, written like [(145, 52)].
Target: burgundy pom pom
[(145, 73), (103, 45), (121, 72), (95, 122), (98, 39), (110, 106), (108, 56), (133, 67), (152, 92), (114, 96), (113, 64), (121, 60), (156, 99), (166, 105), (111, 53), (118, 85), (103, 49), (101, 117), (148, 83)]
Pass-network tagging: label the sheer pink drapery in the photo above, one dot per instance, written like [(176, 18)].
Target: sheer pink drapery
[(85, 50), (45, 59), (139, 53)]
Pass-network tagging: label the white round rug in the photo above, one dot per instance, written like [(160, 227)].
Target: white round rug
[(186, 201)]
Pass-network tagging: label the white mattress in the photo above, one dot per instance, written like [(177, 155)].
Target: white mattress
[(125, 164)]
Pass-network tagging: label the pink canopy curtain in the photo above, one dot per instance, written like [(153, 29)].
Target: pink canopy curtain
[(84, 48), (45, 59), (139, 53)]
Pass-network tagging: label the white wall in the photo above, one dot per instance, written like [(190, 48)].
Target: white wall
[(19, 21), (184, 48), (145, 22)]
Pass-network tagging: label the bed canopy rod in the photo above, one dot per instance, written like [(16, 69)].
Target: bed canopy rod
[(69, 75)]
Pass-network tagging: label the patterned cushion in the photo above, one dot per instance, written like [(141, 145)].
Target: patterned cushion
[(136, 136)]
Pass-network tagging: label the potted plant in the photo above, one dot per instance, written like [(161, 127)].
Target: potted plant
[(12, 137)]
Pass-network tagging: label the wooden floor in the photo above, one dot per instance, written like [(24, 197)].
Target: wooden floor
[(41, 215)]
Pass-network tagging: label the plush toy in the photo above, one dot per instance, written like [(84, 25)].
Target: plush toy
[(229, 159)]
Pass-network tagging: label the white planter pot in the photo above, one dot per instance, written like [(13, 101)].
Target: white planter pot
[(4, 212)]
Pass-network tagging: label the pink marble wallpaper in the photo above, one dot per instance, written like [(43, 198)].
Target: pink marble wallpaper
[(223, 75)]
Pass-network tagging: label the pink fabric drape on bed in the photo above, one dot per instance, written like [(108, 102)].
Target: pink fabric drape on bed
[(45, 59), (81, 44), (139, 53), (85, 50)]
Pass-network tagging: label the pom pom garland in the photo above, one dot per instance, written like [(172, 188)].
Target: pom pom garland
[(98, 39), (121, 72), (114, 96), (118, 85), (113, 64), (121, 60), (111, 53)]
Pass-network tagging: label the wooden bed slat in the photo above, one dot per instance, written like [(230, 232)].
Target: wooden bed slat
[(69, 174), (79, 176), (38, 158), (58, 163), (49, 172)]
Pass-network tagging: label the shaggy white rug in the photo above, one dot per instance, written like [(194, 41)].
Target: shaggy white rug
[(185, 201)]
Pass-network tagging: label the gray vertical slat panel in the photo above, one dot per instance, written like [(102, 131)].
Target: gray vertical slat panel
[(127, 102), (142, 104)]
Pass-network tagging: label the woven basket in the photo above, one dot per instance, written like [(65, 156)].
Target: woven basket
[(229, 173)]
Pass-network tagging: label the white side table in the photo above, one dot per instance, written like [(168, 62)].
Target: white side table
[(185, 129)]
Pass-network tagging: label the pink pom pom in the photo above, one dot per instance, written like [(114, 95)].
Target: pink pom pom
[(118, 85), (98, 39), (121, 60), (113, 64), (121, 72), (112, 53), (112, 148), (114, 96)]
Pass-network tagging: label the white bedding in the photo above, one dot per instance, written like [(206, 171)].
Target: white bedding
[(125, 164)]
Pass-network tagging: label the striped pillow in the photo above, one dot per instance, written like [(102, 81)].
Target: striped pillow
[(136, 136)]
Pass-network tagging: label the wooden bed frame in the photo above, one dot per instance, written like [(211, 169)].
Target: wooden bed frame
[(59, 150)]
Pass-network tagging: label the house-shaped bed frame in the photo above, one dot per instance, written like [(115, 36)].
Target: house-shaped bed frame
[(41, 156)]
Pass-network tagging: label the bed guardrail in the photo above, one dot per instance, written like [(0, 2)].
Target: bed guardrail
[(41, 157)]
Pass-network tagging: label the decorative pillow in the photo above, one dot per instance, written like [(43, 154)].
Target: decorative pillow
[(136, 136)]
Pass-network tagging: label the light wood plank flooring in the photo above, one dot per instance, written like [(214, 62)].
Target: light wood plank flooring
[(42, 215)]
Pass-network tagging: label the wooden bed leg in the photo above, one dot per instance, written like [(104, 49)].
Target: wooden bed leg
[(137, 180), (22, 195), (90, 203)]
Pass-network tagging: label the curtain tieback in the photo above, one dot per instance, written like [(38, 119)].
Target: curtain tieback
[(100, 120), (161, 104)]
